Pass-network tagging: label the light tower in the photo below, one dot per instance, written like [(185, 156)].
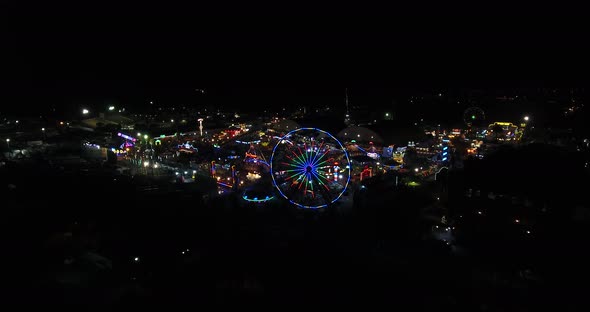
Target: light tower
[(201, 125)]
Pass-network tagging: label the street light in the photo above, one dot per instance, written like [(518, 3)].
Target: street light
[(8, 143), (111, 108), (85, 111), (139, 134), (526, 118), (145, 136)]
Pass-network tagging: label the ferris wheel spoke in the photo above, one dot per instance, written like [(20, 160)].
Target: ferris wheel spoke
[(317, 153), (321, 157), (297, 157), (323, 162), (297, 174), (319, 177), (293, 170)]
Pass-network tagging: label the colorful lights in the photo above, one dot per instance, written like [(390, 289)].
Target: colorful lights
[(302, 168), (256, 199), (127, 137)]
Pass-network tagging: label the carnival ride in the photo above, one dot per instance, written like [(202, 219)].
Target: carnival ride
[(310, 168)]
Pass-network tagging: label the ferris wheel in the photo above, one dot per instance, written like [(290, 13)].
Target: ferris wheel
[(310, 168), (473, 115)]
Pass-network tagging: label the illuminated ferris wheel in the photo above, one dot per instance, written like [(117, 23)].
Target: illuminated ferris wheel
[(310, 168)]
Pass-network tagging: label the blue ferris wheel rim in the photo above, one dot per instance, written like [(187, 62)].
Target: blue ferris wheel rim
[(279, 189)]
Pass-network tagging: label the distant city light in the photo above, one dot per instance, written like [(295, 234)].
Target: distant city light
[(85, 111)]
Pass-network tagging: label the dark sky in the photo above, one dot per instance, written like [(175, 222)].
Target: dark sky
[(63, 52)]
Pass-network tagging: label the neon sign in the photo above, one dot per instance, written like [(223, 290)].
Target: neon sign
[(132, 139)]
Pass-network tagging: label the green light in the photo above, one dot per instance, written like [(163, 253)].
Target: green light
[(472, 116)]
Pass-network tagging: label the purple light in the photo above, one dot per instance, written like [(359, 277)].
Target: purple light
[(127, 137)]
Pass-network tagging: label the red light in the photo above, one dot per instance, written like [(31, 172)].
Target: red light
[(336, 163)]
